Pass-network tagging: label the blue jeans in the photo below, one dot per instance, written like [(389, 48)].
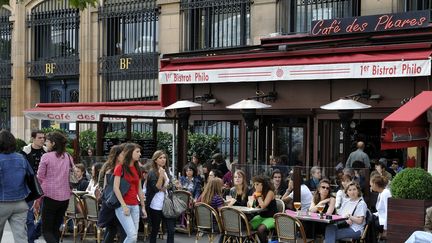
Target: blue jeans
[(33, 230), (420, 237), (130, 223), (332, 233)]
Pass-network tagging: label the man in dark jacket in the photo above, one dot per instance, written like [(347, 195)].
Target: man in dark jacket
[(33, 153)]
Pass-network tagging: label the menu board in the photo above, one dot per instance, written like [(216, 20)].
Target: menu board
[(109, 142), (148, 146)]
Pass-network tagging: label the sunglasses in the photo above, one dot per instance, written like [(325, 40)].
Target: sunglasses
[(325, 187)]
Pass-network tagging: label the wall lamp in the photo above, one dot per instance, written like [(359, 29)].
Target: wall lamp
[(365, 94), (182, 108), (261, 96), (208, 98), (248, 110)]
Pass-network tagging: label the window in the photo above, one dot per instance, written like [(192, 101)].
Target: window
[(129, 35), (415, 5), (5, 68), (55, 29), (296, 16), (215, 24)]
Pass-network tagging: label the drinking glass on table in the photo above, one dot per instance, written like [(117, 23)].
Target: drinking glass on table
[(320, 209), (297, 206), (250, 201)]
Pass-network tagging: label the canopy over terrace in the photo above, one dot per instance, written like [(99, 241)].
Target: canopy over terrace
[(101, 112), (91, 111)]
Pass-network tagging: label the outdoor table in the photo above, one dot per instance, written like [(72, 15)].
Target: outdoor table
[(314, 217), (248, 210)]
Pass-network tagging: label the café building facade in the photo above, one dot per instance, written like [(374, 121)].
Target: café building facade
[(382, 60)]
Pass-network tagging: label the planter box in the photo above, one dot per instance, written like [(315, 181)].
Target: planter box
[(404, 217)]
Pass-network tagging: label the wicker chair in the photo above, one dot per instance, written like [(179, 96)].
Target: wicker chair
[(207, 221), (188, 214), (289, 229), (280, 206), (236, 226), (362, 237), (75, 213), (92, 209)]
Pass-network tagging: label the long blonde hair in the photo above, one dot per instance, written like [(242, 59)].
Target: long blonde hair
[(212, 188), (155, 156)]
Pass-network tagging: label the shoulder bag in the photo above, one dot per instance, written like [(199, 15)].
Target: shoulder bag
[(343, 224), (173, 206), (34, 186), (73, 180), (109, 196)]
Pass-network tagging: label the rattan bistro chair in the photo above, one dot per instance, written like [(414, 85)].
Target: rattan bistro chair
[(236, 226), (185, 196), (207, 221), (92, 209), (75, 213), (290, 229)]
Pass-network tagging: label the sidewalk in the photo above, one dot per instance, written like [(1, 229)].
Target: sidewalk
[(179, 238)]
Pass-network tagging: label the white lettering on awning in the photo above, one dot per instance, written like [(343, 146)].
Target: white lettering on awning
[(390, 69)]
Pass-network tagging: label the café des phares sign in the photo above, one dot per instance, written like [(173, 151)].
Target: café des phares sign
[(372, 23)]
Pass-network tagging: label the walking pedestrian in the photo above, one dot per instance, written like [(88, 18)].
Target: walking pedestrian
[(13, 189)]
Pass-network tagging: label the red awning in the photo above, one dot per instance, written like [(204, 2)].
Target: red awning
[(407, 126), (364, 62), (72, 112), (278, 60)]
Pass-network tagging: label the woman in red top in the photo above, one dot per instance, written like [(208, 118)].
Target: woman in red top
[(129, 212)]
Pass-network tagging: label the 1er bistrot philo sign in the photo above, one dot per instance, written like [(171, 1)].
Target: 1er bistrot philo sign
[(373, 23)]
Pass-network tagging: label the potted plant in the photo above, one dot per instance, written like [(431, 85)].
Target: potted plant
[(411, 194)]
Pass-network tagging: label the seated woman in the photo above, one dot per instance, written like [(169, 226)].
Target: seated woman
[(93, 184), (322, 197), (278, 182), (341, 196), (190, 181), (305, 196), (355, 212), (212, 194), (240, 191), (378, 184), (264, 198), (80, 173)]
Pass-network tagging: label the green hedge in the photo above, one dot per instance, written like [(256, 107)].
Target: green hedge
[(412, 183)]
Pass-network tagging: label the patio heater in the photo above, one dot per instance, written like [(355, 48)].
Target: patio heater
[(345, 108), (182, 108), (248, 110)]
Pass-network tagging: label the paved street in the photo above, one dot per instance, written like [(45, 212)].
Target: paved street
[(179, 238)]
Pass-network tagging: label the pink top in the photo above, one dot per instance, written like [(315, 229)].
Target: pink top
[(53, 174)]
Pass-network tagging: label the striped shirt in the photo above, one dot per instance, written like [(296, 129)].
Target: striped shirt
[(53, 174)]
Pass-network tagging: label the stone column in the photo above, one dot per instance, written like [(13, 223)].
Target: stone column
[(89, 90), (263, 19), (169, 26)]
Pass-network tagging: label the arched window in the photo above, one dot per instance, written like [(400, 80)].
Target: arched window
[(54, 28), (129, 47)]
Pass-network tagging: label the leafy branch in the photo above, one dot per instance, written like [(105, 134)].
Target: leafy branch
[(80, 4)]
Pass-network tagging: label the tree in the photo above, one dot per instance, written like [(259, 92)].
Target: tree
[(80, 4)]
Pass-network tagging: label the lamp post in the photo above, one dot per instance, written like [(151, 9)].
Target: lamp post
[(182, 108), (248, 110), (345, 108)]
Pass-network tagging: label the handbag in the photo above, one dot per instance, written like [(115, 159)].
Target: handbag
[(109, 196), (173, 206), (34, 186), (343, 224), (73, 179)]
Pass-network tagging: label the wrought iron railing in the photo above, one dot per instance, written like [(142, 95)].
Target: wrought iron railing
[(414, 5), (5, 68), (296, 16), (212, 24), (53, 68)]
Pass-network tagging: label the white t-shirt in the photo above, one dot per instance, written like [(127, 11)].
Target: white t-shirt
[(159, 197), (341, 198), (91, 188), (306, 197), (360, 211), (382, 206)]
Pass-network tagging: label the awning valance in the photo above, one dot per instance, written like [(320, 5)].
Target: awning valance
[(371, 64), (407, 126), (91, 111)]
